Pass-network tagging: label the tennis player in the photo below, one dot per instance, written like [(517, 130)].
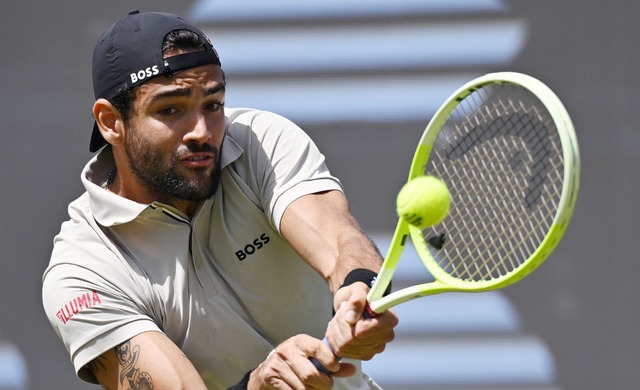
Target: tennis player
[(212, 244)]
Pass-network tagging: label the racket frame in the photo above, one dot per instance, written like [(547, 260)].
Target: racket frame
[(443, 281)]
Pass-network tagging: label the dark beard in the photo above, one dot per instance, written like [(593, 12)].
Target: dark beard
[(163, 179)]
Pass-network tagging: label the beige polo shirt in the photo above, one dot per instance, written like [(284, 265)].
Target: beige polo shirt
[(224, 286)]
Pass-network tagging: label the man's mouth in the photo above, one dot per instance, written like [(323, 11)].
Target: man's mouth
[(200, 160)]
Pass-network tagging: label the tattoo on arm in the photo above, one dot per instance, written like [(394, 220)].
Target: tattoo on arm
[(131, 375)]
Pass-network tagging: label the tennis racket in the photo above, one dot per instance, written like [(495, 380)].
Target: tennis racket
[(506, 148)]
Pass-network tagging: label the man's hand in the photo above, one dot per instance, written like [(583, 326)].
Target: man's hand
[(288, 366), (349, 334)]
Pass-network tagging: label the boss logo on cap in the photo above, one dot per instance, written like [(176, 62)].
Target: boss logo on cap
[(144, 73)]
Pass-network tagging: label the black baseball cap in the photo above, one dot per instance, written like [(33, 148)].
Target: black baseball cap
[(129, 53)]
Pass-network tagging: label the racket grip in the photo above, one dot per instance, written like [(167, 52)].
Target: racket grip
[(319, 365), (368, 313)]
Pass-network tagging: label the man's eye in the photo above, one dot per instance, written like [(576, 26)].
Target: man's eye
[(214, 106), (167, 111)]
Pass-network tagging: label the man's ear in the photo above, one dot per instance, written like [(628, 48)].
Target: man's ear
[(109, 121)]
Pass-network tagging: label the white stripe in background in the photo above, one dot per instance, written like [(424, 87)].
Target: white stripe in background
[(234, 10), (13, 368), (357, 98), (458, 313), (368, 47), (471, 361)]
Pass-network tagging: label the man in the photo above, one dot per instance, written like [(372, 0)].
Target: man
[(200, 253)]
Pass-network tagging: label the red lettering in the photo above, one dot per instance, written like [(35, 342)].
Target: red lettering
[(83, 301), (96, 299), (61, 317), (76, 305), (66, 313)]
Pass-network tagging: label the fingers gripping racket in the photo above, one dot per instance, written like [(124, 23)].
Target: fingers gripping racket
[(506, 149)]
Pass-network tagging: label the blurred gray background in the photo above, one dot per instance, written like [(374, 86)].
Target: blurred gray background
[(583, 304)]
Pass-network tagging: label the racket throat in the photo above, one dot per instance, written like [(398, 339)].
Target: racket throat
[(369, 313)]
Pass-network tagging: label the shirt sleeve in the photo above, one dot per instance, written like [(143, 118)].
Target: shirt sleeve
[(285, 162), (90, 313)]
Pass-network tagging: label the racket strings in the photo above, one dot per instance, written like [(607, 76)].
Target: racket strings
[(501, 156)]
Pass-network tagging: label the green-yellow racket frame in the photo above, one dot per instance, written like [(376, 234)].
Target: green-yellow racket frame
[(443, 280)]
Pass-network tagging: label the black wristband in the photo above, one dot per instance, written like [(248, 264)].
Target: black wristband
[(364, 275), (244, 382)]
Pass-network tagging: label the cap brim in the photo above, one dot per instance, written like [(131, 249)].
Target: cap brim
[(97, 141)]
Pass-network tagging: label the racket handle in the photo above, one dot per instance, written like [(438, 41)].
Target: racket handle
[(319, 365), (368, 313)]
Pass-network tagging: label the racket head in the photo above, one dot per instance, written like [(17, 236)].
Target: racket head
[(506, 147)]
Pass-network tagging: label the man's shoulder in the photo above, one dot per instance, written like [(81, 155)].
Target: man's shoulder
[(250, 127), (242, 114), (255, 119), (79, 233)]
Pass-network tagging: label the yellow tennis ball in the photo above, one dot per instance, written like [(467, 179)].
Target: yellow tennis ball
[(423, 201)]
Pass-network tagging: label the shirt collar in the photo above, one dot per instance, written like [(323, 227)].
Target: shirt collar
[(110, 209), (231, 151), (107, 208)]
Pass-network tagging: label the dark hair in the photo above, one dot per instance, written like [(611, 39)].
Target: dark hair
[(182, 40), (178, 40)]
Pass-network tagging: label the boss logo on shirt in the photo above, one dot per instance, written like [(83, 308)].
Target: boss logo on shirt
[(252, 248)]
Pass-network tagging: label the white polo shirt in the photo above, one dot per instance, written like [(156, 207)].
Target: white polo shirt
[(224, 286)]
